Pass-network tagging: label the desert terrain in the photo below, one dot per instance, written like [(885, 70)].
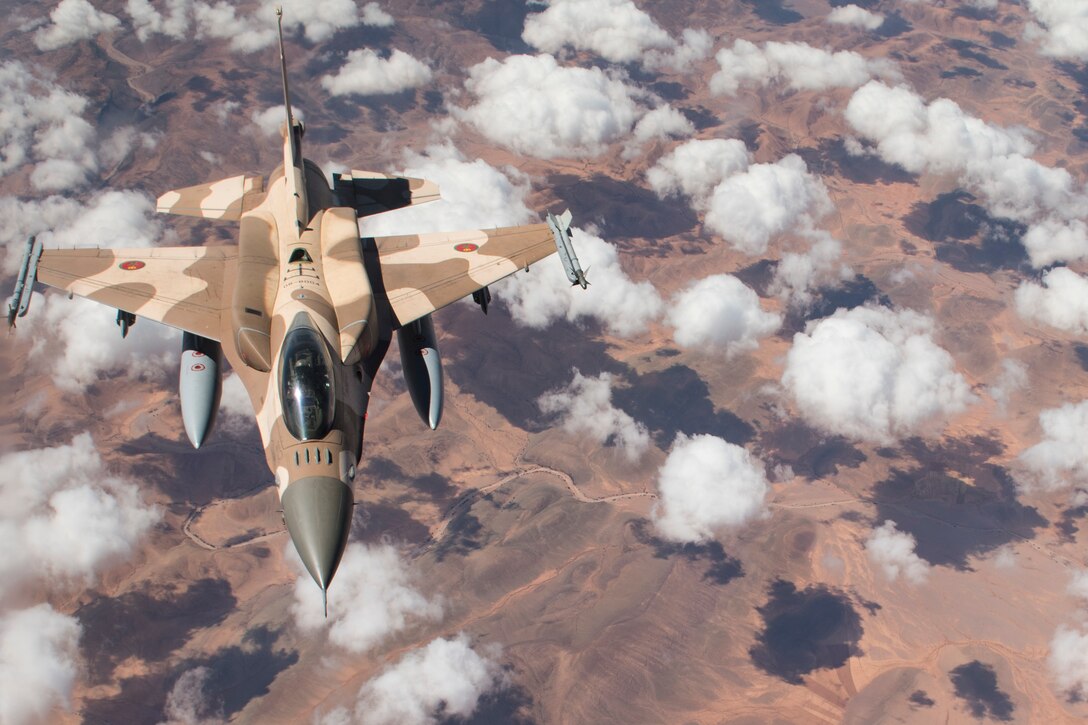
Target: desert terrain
[(533, 536)]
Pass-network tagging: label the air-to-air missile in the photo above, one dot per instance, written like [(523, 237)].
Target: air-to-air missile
[(20, 299), (561, 231)]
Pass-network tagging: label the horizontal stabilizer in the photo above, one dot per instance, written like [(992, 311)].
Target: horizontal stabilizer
[(225, 199), (370, 192)]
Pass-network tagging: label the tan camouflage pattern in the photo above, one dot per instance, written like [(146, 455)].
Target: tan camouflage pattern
[(179, 286), (422, 190), (247, 296), (226, 199), (423, 273)]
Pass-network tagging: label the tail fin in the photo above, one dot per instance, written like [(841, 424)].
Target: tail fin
[(296, 135)]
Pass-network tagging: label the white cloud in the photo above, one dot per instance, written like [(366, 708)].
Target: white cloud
[(1068, 659), (1078, 585), (747, 204), (660, 123), (1061, 300), (722, 312), (893, 551), (1013, 377), (319, 20), (64, 516), (585, 407), (72, 21), (1061, 457), (750, 208), (375, 17), (694, 168), (442, 680), (694, 45), (1062, 28), (186, 703), (940, 138), (707, 485), (797, 66), (544, 295), (475, 195), (365, 73), (856, 16), (147, 20), (42, 123), (39, 651), (373, 598), (616, 30), (798, 274), (871, 373), (272, 120), (534, 106)]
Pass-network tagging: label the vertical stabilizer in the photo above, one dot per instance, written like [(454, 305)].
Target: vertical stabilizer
[(295, 151)]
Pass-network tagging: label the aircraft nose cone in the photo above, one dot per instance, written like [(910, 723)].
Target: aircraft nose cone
[(318, 512)]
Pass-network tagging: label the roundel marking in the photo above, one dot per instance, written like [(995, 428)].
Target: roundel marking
[(466, 247), (197, 353), (197, 368), (131, 265)]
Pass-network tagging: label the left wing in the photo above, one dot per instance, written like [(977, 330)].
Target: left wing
[(423, 273), (178, 286)]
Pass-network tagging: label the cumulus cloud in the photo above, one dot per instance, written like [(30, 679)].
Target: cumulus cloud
[(1061, 27), (39, 651), (186, 703), (584, 406), (855, 16), (534, 106), (661, 123), (991, 162), (721, 312), (875, 374), (365, 73), (893, 551), (43, 124), (613, 299), (374, 598), (1078, 585), (318, 20), (64, 515), (747, 204), (1060, 458), (78, 341), (707, 485), (616, 30), (1060, 300), (796, 66), (799, 273), (475, 195), (444, 679), (72, 21), (1068, 659), (271, 120)]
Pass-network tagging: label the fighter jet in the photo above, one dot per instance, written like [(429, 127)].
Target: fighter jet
[(303, 308)]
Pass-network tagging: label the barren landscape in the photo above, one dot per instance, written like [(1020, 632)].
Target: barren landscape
[(811, 448)]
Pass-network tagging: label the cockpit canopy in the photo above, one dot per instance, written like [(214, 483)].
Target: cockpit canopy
[(306, 384)]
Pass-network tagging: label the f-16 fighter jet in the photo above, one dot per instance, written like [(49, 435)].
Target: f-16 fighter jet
[(304, 311)]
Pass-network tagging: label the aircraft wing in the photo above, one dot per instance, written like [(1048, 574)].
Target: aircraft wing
[(425, 272), (178, 286)]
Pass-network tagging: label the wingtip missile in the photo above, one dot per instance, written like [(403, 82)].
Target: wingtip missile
[(24, 283), (560, 226)]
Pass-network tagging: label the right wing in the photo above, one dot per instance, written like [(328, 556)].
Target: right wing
[(425, 272), (178, 286)]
